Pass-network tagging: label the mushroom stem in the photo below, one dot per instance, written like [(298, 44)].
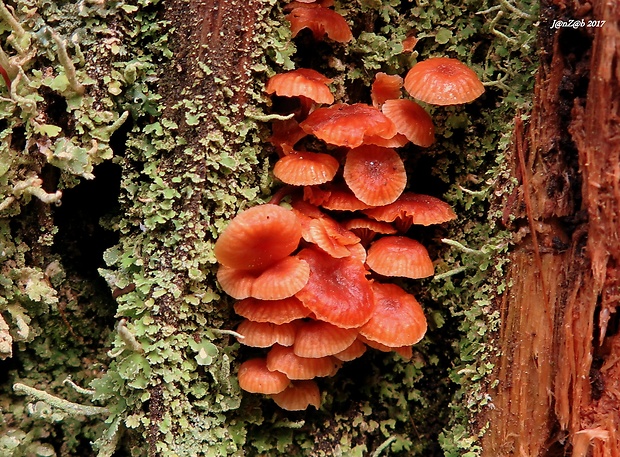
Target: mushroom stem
[(280, 194)]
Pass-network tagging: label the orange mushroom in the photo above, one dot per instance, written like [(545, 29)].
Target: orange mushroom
[(355, 350), (337, 291), (349, 125), (284, 360), (411, 209), (385, 87), (306, 168), (335, 198), (443, 81), (329, 236), (298, 396), (404, 351), (258, 238), (254, 377), (274, 311), (398, 319), (367, 229), (302, 82), (284, 135), (320, 339), (411, 120), (266, 334), (399, 256), (321, 21), (376, 175), (281, 280)]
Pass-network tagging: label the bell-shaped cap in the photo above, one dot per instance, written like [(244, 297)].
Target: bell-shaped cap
[(412, 208), (398, 319), (411, 120), (302, 82), (443, 81), (321, 339), (337, 291), (355, 350), (399, 256), (265, 334), (284, 360), (385, 87), (348, 125), (303, 168), (258, 238), (273, 311), (298, 396), (321, 22), (376, 175), (254, 377)]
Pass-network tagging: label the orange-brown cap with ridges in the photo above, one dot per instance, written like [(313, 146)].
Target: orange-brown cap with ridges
[(321, 21), (337, 291), (281, 280), (301, 82), (340, 198), (413, 208), (348, 125), (258, 238), (399, 256), (398, 319), (357, 252), (404, 351), (315, 195), (330, 236), (254, 377), (298, 396), (411, 120), (385, 87), (284, 135), (376, 175), (409, 43), (320, 339), (266, 334), (443, 81), (284, 360), (355, 350), (303, 168), (274, 311), (367, 229), (397, 141)]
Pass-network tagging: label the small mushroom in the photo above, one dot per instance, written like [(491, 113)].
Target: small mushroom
[(254, 377), (411, 120), (376, 175), (385, 87), (443, 81), (399, 256), (284, 360), (321, 339), (354, 351), (302, 82), (298, 396), (274, 311), (367, 229), (306, 168), (266, 334), (321, 21)]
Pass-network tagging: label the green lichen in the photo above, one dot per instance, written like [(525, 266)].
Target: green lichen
[(89, 87)]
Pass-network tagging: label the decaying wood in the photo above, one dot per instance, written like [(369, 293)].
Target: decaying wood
[(559, 375)]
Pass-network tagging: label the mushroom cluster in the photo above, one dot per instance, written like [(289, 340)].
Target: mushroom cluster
[(313, 278)]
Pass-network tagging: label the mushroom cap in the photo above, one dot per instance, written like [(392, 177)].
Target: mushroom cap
[(266, 334), (284, 360), (376, 175), (254, 377), (366, 229), (321, 339), (298, 396), (399, 256), (306, 168), (335, 198), (355, 350), (301, 82), (284, 135), (281, 280), (321, 21), (398, 319), (330, 236), (404, 351), (274, 311), (443, 81), (412, 208), (337, 291), (411, 120), (385, 87), (409, 43), (258, 238), (348, 125)]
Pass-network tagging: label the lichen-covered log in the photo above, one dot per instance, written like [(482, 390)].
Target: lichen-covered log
[(558, 369)]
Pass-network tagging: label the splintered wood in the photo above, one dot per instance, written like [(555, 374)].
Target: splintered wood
[(559, 373)]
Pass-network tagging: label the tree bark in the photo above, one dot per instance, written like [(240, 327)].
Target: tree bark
[(559, 370)]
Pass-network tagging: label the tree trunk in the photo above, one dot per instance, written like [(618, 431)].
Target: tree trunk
[(558, 373)]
